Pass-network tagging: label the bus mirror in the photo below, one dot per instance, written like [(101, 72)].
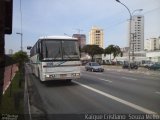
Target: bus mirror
[(29, 47)]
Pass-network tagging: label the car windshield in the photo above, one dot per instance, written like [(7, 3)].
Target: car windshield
[(95, 64)]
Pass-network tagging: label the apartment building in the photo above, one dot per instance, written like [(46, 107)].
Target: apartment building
[(96, 36), (152, 44), (137, 33)]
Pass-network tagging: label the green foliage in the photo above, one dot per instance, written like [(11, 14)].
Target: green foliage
[(109, 49), (116, 51), (20, 57), (10, 98), (92, 50), (113, 49)]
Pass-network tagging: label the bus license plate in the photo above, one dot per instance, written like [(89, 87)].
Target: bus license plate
[(63, 75)]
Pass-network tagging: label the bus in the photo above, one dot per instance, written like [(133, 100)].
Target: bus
[(56, 58)]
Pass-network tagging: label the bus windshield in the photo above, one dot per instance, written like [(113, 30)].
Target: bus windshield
[(60, 50)]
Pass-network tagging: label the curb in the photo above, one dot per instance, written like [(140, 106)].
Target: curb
[(140, 70)]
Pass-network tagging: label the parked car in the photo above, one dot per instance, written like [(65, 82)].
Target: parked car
[(146, 65), (132, 65), (94, 67), (155, 66)]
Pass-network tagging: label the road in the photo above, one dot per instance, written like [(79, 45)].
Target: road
[(96, 92)]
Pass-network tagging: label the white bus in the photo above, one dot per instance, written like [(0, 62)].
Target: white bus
[(56, 58)]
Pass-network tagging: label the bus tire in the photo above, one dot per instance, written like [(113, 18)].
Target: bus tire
[(68, 80), (38, 74)]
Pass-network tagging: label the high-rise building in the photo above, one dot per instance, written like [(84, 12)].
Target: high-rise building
[(152, 44), (96, 36), (81, 39), (137, 33)]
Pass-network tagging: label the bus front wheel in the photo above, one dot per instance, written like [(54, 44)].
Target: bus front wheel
[(68, 80)]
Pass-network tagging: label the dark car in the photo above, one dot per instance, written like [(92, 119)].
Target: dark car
[(155, 66), (94, 67), (132, 66)]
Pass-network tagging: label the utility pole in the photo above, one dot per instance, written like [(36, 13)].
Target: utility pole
[(130, 20), (130, 25), (2, 49), (133, 42)]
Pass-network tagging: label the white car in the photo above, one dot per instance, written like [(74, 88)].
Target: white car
[(148, 65), (94, 67)]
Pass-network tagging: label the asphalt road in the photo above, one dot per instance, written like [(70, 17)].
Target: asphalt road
[(106, 92)]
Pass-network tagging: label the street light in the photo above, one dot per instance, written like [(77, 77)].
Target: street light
[(129, 29), (21, 34), (139, 10), (130, 19)]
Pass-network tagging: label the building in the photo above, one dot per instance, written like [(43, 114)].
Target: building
[(137, 33), (153, 56), (96, 37), (10, 52), (81, 39), (152, 44)]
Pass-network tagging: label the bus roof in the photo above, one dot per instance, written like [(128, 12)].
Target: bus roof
[(58, 37)]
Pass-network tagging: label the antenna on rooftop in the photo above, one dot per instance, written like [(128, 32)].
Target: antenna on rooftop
[(79, 30)]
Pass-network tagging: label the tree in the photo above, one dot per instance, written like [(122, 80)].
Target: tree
[(116, 51), (20, 57), (109, 50), (113, 49), (92, 50)]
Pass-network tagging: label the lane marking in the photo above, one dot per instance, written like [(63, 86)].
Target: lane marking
[(27, 93), (129, 78), (105, 80), (137, 107), (157, 92)]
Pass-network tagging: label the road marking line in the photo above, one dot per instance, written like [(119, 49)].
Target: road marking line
[(142, 109), (105, 80), (157, 92), (129, 78)]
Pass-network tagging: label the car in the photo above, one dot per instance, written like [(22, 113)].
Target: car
[(132, 66), (155, 66), (146, 65), (94, 67)]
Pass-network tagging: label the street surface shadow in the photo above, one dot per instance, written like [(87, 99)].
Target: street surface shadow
[(58, 83)]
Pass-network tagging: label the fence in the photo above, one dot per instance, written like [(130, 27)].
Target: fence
[(9, 73)]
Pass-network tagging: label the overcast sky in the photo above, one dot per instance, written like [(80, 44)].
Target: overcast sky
[(56, 17)]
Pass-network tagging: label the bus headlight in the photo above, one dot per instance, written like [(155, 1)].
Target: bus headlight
[(50, 76), (46, 76), (75, 74)]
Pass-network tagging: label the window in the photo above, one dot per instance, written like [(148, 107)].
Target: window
[(97, 31)]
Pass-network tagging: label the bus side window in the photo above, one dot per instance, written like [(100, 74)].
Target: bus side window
[(39, 51)]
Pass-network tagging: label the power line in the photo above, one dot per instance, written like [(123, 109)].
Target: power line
[(121, 22), (152, 10)]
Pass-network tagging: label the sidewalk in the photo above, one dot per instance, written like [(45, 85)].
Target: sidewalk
[(139, 70)]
